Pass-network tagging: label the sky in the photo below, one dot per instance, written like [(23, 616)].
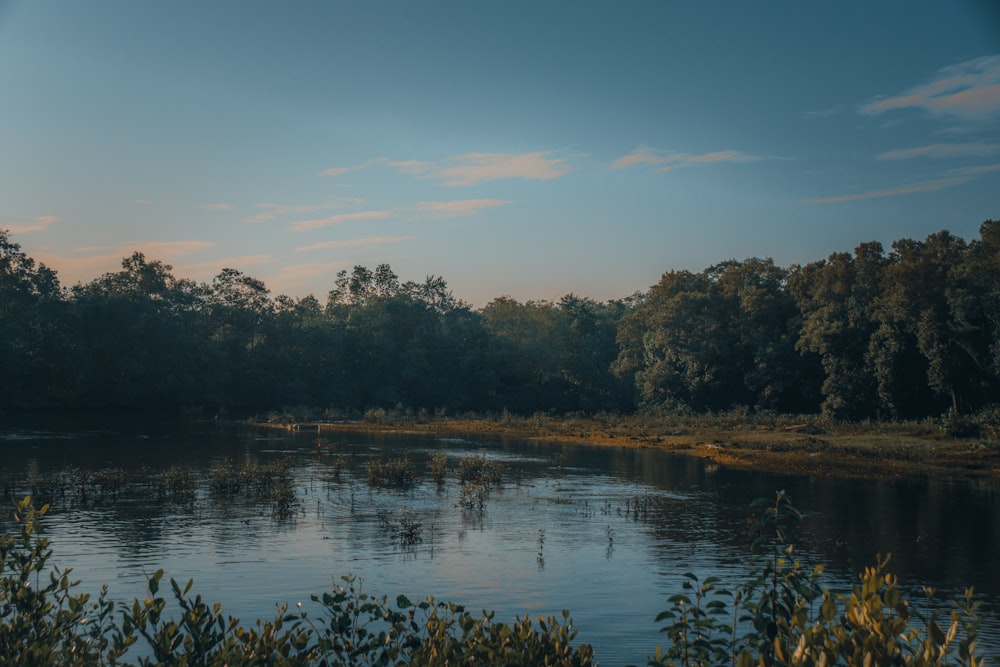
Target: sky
[(529, 149)]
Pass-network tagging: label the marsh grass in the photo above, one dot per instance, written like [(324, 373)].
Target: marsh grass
[(403, 527), (270, 483), (744, 438), (393, 473), (479, 477), (437, 464)]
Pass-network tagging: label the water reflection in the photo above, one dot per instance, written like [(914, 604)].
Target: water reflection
[(603, 532)]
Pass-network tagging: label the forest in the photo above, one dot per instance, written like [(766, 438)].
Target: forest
[(906, 333)]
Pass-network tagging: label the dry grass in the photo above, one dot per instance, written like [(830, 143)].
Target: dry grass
[(779, 443)]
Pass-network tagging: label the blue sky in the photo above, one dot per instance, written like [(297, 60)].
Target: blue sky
[(523, 148)]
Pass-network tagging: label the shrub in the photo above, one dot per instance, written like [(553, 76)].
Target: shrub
[(780, 617), (392, 473), (784, 617)]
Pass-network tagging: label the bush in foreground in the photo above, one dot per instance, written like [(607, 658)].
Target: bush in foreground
[(780, 617)]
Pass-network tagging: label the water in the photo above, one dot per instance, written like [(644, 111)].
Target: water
[(603, 532)]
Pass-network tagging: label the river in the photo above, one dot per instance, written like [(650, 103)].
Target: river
[(603, 532)]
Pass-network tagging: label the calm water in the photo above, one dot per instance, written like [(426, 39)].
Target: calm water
[(606, 534)]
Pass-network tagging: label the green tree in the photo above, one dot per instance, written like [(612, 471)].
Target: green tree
[(974, 302), (764, 323), (919, 365), (242, 318), (837, 301), (29, 306), (713, 340), (135, 339)]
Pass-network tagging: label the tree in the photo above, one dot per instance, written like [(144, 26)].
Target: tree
[(242, 318), (974, 303), (926, 303), (29, 306), (837, 299), (764, 322), (137, 339), (673, 344), (714, 340)]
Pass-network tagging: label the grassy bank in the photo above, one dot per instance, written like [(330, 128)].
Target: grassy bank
[(968, 448)]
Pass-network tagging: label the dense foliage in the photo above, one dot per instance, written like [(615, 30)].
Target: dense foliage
[(910, 333), (781, 616)]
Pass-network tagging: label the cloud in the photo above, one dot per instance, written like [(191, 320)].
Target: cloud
[(354, 243), (37, 224), (475, 168), (824, 113), (165, 250), (969, 90), (144, 202), (340, 171), (271, 211), (718, 156), (307, 225), (954, 178), (942, 151), (412, 166), (641, 155), (668, 161), (460, 207), (86, 263), (216, 207), (296, 278), (205, 271)]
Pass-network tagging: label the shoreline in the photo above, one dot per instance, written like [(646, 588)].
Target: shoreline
[(883, 452)]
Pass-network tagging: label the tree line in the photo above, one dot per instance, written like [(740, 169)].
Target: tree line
[(908, 333)]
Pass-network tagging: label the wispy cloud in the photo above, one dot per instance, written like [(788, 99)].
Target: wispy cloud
[(83, 264), (216, 207), (307, 225), (641, 155), (665, 161), (952, 179), (825, 113), (297, 277), (271, 211), (144, 202), (456, 208), (475, 168), (354, 243), (166, 250), (205, 271), (969, 90), (340, 171), (36, 224), (942, 151), (412, 166)]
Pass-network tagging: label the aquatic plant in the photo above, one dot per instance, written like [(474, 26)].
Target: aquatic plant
[(46, 624), (781, 617), (405, 527), (481, 469), (271, 483), (437, 464), (392, 473)]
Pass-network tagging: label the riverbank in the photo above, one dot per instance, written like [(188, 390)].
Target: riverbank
[(783, 445)]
